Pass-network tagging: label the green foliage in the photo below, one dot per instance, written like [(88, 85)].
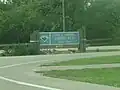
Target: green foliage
[(21, 50), (19, 18)]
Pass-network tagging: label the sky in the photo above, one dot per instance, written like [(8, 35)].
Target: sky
[(5, 1)]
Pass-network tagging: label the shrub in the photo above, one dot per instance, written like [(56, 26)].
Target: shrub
[(23, 50)]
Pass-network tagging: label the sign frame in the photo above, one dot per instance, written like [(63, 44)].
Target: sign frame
[(50, 38)]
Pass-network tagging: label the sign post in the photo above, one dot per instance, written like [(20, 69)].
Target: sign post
[(82, 45), (58, 39), (34, 39), (38, 42)]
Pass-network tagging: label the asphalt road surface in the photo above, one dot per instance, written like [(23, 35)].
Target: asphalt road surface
[(16, 73)]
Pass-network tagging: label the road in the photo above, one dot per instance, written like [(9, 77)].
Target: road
[(16, 73)]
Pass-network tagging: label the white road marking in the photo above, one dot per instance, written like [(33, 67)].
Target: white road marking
[(28, 84), (14, 65), (24, 83)]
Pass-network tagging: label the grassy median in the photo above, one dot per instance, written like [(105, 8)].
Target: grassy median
[(87, 61), (109, 76)]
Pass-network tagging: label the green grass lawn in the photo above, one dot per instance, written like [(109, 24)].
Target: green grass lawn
[(109, 76), (86, 61)]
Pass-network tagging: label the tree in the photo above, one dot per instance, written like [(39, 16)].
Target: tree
[(22, 17)]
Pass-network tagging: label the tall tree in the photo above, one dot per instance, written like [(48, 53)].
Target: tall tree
[(24, 16)]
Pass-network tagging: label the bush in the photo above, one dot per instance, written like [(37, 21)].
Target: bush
[(25, 50), (22, 50), (19, 51)]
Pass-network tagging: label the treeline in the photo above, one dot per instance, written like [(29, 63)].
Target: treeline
[(19, 18)]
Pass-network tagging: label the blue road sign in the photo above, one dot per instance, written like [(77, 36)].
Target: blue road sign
[(59, 38)]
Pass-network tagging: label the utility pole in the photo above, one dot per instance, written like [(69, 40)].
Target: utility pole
[(63, 15), (84, 39), (82, 45)]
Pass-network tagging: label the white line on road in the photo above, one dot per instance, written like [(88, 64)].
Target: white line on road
[(28, 84), (24, 83), (14, 65)]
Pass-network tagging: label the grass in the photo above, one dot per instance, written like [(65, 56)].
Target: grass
[(110, 76), (87, 61)]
